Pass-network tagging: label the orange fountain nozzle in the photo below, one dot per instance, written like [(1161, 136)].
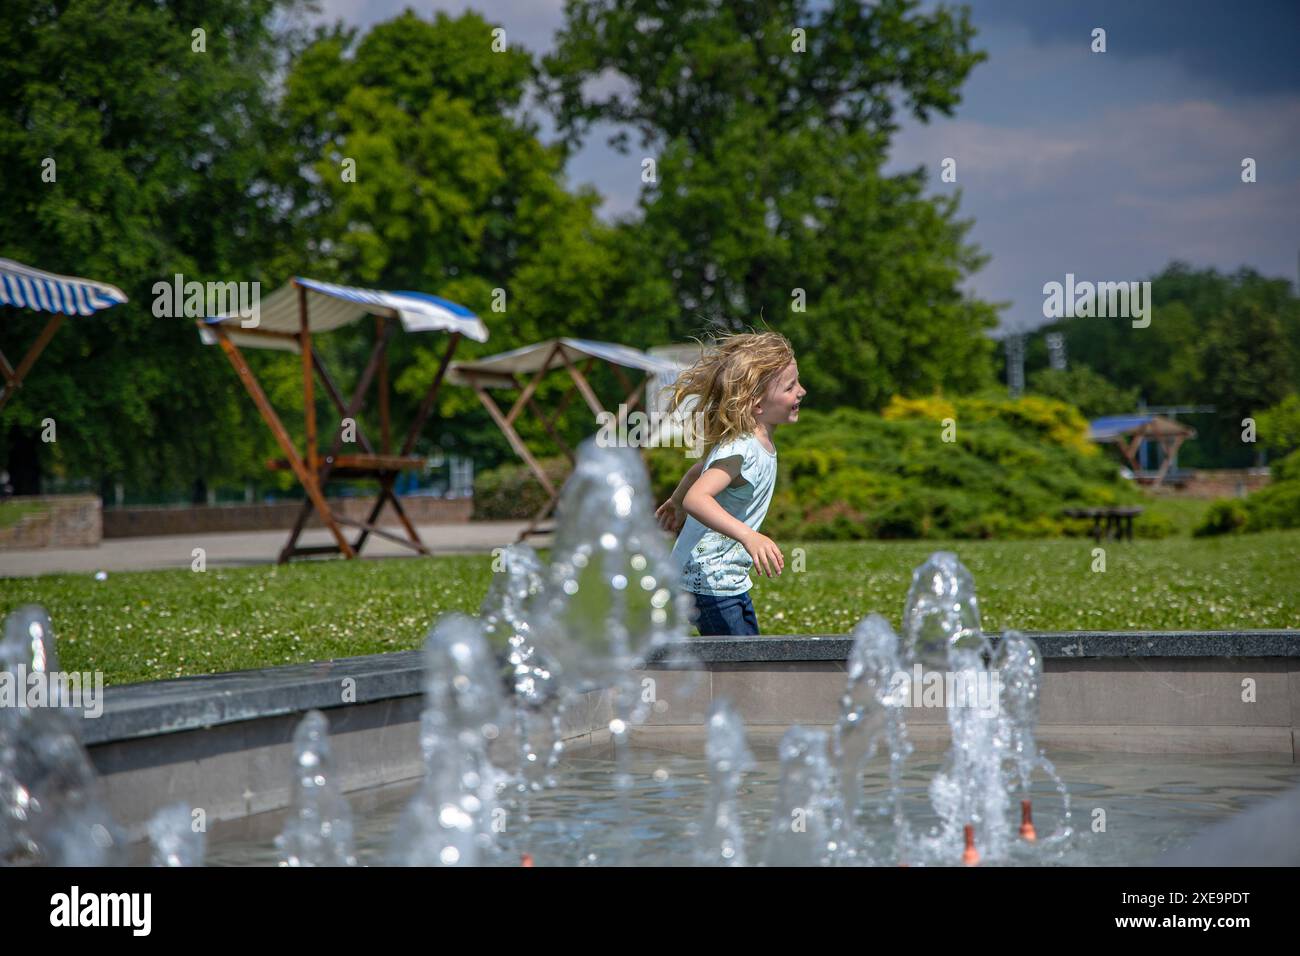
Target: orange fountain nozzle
[(1027, 830), (970, 856)]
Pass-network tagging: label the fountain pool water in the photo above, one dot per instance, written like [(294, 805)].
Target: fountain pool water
[(1154, 804)]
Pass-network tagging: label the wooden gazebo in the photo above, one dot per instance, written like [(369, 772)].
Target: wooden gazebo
[(287, 320), (1130, 431), (26, 288), (576, 357)]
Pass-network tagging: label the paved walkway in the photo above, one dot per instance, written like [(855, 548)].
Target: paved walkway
[(239, 548)]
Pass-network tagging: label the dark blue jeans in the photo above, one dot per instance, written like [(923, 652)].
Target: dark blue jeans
[(724, 615)]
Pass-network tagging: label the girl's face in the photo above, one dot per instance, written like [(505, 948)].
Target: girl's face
[(779, 404)]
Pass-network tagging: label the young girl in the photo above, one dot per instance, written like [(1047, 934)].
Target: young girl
[(746, 385)]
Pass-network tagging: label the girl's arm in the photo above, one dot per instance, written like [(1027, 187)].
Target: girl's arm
[(671, 514), (701, 504), (688, 479)]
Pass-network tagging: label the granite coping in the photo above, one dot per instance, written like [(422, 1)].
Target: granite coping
[(1053, 644), (190, 703)]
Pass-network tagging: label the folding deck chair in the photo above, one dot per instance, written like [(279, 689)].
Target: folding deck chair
[(506, 369), (27, 288), (288, 319)]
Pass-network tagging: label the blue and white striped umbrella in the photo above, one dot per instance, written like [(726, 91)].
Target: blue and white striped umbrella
[(29, 288)]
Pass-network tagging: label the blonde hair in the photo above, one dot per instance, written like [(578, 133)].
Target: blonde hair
[(734, 370)]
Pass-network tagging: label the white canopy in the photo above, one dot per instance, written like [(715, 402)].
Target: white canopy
[(496, 371), (331, 306)]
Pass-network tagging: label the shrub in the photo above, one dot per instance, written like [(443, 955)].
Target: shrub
[(1286, 469), (1153, 525), (1015, 464), (1279, 426), (1274, 506), (512, 493), (1226, 516)]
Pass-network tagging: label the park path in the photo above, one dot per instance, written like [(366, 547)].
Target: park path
[(240, 548)]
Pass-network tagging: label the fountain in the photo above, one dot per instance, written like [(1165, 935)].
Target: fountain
[(450, 821), (319, 829), (174, 840), (611, 598), (871, 714), (720, 840), (800, 831), (586, 631), (51, 807), (530, 670)]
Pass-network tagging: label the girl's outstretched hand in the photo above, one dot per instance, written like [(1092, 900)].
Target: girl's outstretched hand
[(767, 556), (671, 516)]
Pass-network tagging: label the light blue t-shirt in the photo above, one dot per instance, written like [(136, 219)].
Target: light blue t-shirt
[(713, 563)]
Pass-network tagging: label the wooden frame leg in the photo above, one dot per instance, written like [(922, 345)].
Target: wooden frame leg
[(386, 494), (550, 430), (426, 405), (543, 513), (584, 387), (305, 477), (513, 438), (548, 420), (14, 377), (526, 395), (351, 408)]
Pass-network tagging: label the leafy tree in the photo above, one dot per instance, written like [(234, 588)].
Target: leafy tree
[(1080, 386), (1242, 365), (156, 150), (768, 124)]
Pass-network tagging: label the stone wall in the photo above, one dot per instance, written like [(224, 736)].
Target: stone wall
[(192, 519), (1218, 483), (52, 521)]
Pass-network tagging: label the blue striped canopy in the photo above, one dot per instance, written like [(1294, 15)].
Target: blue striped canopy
[(1112, 426), (29, 288)]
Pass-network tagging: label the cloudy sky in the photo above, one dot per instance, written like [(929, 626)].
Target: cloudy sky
[(1106, 165)]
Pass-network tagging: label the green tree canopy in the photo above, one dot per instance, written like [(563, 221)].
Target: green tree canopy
[(155, 146), (1083, 388), (1231, 341), (768, 124)]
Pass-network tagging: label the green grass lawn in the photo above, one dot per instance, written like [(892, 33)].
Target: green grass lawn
[(1183, 513), (157, 624), (12, 512)]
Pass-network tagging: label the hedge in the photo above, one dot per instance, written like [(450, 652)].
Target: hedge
[(980, 467)]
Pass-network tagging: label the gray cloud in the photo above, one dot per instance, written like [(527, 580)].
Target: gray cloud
[(1244, 46), (1104, 165)]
